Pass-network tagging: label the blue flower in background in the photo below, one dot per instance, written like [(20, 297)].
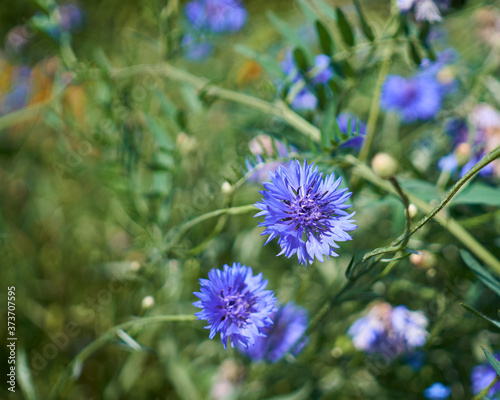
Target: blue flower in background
[(389, 331), (301, 92), (425, 10), (306, 212), (290, 323), (216, 16), (441, 71), (482, 376), (236, 304), (415, 98), (343, 121), (196, 48), (437, 391)]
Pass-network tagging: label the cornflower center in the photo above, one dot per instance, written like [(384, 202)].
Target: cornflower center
[(308, 210), (236, 305)]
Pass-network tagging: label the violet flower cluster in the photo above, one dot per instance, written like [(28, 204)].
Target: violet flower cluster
[(389, 331), (301, 92), (425, 10), (305, 212), (210, 17), (472, 141), (437, 391), (420, 97)]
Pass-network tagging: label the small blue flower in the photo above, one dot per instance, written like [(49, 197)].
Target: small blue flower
[(216, 16), (305, 212), (196, 48), (234, 303), (290, 323), (425, 10), (415, 98), (437, 391), (389, 331), (482, 376)]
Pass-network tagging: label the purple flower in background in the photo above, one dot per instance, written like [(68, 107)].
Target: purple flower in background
[(234, 303), (18, 96), (389, 331), (482, 376), (305, 211), (301, 95), (263, 146), (343, 121), (196, 48), (71, 17), (437, 391), (290, 323), (415, 98), (216, 16)]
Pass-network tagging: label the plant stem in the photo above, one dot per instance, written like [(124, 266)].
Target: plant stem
[(277, 108), (73, 368)]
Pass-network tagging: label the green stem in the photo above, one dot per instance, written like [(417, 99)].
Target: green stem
[(72, 369), (278, 108), (483, 393)]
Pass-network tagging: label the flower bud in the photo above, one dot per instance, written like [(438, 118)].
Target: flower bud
[(147, 302), (412, 210), (423, 259), (226, 187), (384, 165)]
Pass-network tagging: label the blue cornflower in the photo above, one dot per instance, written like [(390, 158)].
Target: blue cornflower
[(234, 303), (342, 120), (216, 16), (418, 97), (437, 391), (389, 331), (482, 376), (290, 323), (305, 212), (196, 48)]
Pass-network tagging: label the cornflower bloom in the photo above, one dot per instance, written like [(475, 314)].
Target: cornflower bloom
[(290, 323), (482, 376), (389, 331), (216, 16), (343, 121), (305, 211), (437, 391), (235, 304)]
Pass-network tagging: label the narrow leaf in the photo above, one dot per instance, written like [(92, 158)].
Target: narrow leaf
[(413, 52), (367, 30), (325, 39), (481, 315), (484, 276), (345, 28), (492, 360), (300, 58)]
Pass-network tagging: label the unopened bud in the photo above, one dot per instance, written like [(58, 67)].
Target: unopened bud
[(384, 165), (412, 210), (446, 75), (135, 266), (147, 302), (423, 260), (463, 153), (226, 187)]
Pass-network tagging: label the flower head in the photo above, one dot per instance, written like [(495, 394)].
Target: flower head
[(234, 303), (344, 125), (216, 16), (290, 323), (305, 211), (437, 391), (482, 376), (390, 331), (414, 98)]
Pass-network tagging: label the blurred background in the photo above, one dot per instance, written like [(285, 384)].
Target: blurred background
[(100, 163)]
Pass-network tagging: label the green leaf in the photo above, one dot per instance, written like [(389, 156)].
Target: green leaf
[(367, 30), (325, 39), (484, 276), (424, 32), (413, 52), (492, 360), (345, 28), (300, 58), (481, 315), (478, 193)]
